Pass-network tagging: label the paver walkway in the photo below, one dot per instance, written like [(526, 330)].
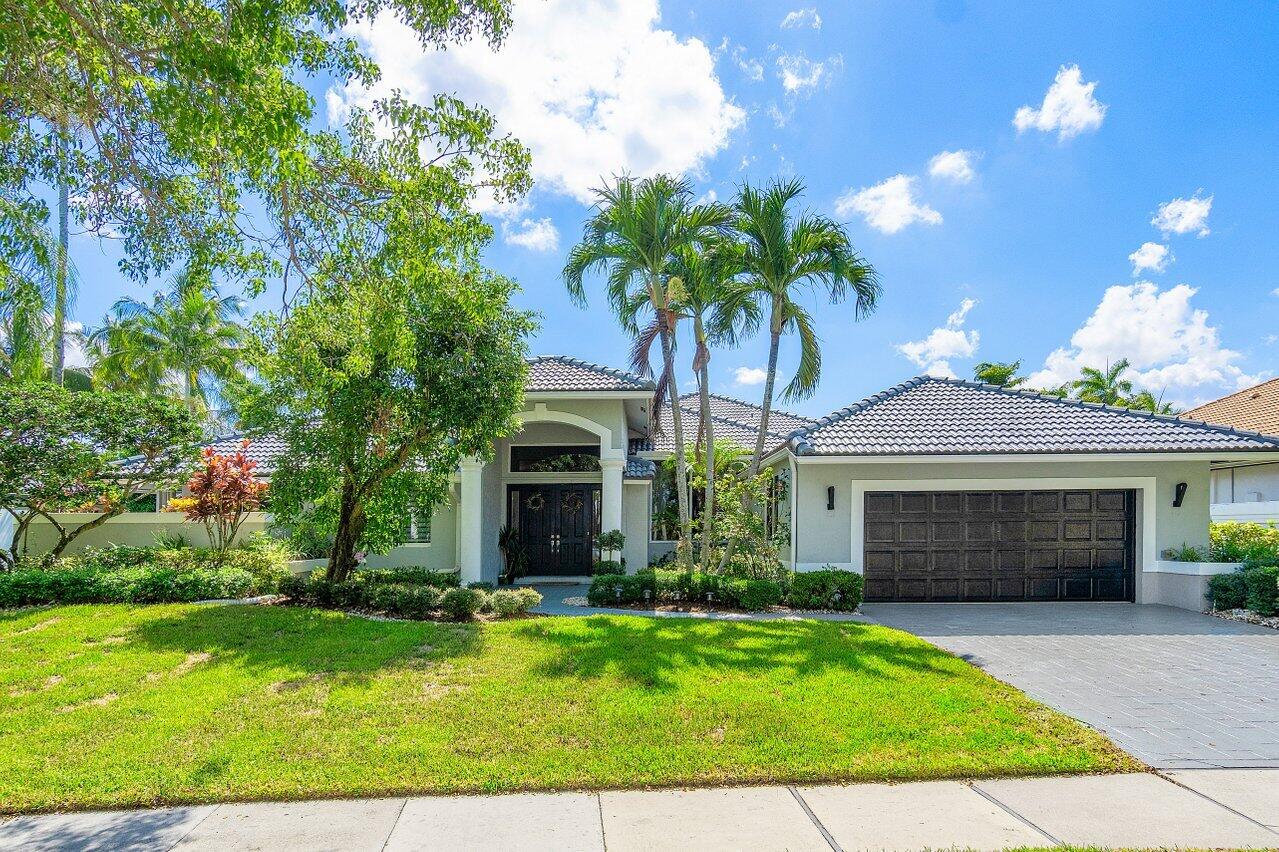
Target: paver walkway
[(1175, 688), (1217, 808)]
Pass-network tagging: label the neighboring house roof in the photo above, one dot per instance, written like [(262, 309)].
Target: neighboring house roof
[(733, 420), (548, 373), (933, 416), (263, 449), (1255, 409)]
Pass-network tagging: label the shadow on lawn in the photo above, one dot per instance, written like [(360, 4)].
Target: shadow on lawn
[(650, 651), (305, 642)]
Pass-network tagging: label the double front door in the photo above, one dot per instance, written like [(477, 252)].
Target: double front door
[(557, 526)]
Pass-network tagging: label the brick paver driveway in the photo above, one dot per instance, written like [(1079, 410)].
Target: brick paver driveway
[(1175, 688)]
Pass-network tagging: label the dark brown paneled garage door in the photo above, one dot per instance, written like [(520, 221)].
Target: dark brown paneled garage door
[(999, 545)]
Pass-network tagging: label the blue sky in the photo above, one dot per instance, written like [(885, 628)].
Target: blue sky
[(1017, 246)]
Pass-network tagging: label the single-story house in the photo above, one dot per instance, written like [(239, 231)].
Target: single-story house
[(1245, 490), (935, 489)]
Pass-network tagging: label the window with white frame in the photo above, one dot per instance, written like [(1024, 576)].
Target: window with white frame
[(418, 528)]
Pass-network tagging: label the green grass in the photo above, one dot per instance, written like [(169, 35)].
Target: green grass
[(141, 705)]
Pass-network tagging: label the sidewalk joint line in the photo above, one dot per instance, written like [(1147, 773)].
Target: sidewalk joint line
[(990, 798), (599, 804), (395, 822), (830, 841), (178, 842), (1201, 795)]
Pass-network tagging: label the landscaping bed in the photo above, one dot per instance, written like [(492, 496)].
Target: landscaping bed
[(113, 705), (827, 590), (410, 593)]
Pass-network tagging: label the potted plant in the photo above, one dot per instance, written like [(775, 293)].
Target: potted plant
[(610, 543)]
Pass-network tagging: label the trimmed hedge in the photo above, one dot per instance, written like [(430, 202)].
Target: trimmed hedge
[(146, 575), (828, 589), (419, 601), (1253, 587), (412, 574)]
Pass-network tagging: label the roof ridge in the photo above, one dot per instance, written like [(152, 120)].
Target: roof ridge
[(1079, 403), (615, 372), (859, 406)]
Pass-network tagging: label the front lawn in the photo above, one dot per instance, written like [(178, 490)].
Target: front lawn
[(129, 705)]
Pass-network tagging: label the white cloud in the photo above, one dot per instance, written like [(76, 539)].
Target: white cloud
[(797, 72), (594, 89), (1151, 256), (752, 68), (888, 206), (954, 166), (1068, 108), (1275, 292), (1183, 215), (533, 234), (802, 18), (933, 353), (750, 375), (1271, 339), (1169, 343)]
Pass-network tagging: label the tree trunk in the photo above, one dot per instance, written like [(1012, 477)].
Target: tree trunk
[(708, 426), (775, 337), (350, 528), (681, 460), (65, 538), (60, 279)]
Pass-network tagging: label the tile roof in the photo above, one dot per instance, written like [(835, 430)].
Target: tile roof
[(1255, 409), (734, 421), (933, 416), (638, 468), (263, 449), (562, 373)]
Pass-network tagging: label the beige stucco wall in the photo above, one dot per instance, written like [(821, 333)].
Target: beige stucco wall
[(135, 529), (636, 499), (823, 536)]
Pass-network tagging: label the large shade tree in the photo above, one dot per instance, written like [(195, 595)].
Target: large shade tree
[(632, 236), (185, 343)]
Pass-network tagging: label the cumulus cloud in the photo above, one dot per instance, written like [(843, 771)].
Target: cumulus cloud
[(1069, 107), (750, 376), (802, 18), (1152, 257), (1184, 215), (933, 352), (954, 166), (798, 73), (592, 88), (888, 206), (538, 235), (1275, 292), (1170, 344)]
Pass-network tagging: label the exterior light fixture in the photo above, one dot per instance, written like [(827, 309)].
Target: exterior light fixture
[(830, 498), (1179, 495)]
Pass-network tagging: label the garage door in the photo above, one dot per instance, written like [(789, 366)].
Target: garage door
[(999, 545)]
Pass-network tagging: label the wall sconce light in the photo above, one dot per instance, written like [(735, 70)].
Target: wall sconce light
[(830, 498), (1179, 495)]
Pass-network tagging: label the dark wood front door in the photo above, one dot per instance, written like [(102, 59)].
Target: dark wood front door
[(999, 545), (557, 525)]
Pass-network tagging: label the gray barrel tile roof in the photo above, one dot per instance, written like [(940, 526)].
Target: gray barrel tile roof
[(562, 373)]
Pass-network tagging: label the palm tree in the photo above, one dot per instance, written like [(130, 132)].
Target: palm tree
[(704, 285), (1105, 386), (35, 276), (183, 344), (998, 373), (635, 229), (1147, 401), (784, 255)]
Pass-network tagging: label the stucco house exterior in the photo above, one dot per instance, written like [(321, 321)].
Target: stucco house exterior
[(935, 489), (1246, 490)]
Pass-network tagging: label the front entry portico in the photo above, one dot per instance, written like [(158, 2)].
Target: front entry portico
[(557, 525)]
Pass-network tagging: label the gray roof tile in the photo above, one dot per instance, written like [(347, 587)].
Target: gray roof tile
[(734, 421), (933, 416), (562, 373)]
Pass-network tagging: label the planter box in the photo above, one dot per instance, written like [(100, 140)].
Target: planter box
[(1181, 584)]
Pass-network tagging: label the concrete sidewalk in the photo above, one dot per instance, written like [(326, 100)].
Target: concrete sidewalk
[(1208, 808)]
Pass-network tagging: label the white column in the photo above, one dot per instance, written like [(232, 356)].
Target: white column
[(611, 494), (470, 511)]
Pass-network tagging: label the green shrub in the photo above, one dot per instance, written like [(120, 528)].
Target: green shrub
[(1232, 541), (755, 595), (613, 589), (608, 566), (1228, 591), (462, 604), (829, 588), (405, 600), (508, 602), (481, 585), (411, 575), (1187, 553), (1263, 588)]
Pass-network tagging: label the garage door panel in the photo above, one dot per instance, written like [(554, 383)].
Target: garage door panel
[(999, 545)]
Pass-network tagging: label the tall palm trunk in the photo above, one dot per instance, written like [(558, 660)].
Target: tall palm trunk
[(774, 343), (60, 278), (681, 459), (708, 426)]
